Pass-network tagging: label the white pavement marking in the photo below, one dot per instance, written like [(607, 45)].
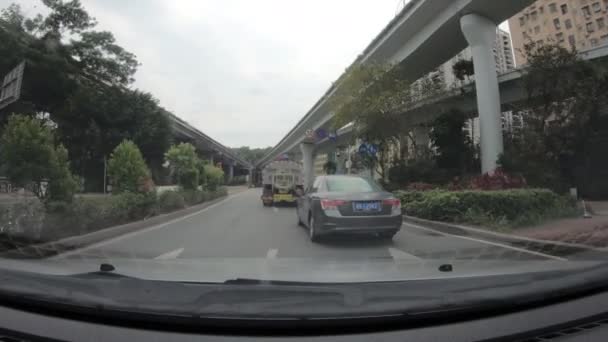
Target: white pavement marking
[(488, 242), (170, 255), (272, 253), (398, 254), (146, 230), (275, 209)]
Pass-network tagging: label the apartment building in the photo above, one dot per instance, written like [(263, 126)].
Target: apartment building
[(579, 24)]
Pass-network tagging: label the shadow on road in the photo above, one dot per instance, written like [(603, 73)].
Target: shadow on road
[(355, 241)]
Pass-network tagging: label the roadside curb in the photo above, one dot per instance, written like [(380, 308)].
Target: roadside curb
[(49, 249), (460, 230)]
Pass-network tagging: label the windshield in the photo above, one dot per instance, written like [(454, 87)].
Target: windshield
[(332, 142), (351, 184)]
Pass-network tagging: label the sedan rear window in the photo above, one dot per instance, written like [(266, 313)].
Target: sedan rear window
[(351, 184)]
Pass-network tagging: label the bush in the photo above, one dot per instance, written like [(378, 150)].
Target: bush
[(27, 148), (193, 197), (127, 168), (185, 164), (62, 184), (188, 179), (130, 206), (214, 177), (22, 219), (511, 208), (170, 201), (418, 171)]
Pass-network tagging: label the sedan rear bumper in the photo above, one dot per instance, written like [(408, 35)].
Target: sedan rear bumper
[(358, 225)]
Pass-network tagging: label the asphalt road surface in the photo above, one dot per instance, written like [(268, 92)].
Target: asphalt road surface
[(240, 227)]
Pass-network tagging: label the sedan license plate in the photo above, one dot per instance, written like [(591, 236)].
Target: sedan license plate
[(366, 206)]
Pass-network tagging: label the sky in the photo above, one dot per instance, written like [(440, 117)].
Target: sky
[(244, 72)]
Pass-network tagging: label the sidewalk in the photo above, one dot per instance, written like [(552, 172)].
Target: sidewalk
[(585, 231)]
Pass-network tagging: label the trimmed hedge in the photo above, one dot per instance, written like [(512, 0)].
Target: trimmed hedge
[(170, 201), (85, 215), (507, 208)]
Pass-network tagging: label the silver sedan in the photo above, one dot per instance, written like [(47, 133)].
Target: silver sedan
[(348, 205)]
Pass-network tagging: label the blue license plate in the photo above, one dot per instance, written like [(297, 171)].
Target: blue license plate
[(366, 206)]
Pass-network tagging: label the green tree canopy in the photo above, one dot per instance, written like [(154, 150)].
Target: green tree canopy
[(127, 169), (252, 155), (30, 157), (79, 76), (185, 164), (214, 177), (463, 69), (454, 148)]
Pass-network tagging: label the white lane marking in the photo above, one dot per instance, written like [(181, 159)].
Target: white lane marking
[(142, 231), (170, 255), (488, 242), (275, 209), (272, 253), (398, 254)]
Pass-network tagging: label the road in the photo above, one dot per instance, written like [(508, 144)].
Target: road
[(240, 227)]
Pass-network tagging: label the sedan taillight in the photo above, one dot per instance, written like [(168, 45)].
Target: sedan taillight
[(327, 204), (393, 202)]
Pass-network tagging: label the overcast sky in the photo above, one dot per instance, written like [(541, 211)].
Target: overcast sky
[(242, 71)]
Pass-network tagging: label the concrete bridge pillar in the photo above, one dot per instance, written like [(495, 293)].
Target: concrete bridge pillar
[(230, 172), (308, 161), (480, 32)]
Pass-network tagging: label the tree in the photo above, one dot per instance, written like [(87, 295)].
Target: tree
[(372, 97), (127, 169), (564, 98), (27, 149), (463, 69), (214, 176), (62, 184), (184, 162), (79, 76), (252, 155), (454, 148)]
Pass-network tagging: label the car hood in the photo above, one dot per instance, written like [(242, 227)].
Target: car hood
[(218, 270)]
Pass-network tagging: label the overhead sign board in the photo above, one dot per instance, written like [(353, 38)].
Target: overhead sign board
[(11, 86)]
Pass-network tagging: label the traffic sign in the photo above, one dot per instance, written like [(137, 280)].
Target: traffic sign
[(11, 86)]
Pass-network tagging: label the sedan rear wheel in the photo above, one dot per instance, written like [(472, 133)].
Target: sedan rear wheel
[(312, 230)]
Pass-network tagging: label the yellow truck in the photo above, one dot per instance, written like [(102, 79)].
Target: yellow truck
[(280, 181)]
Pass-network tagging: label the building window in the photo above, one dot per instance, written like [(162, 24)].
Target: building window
[(557, 24), (590, 27), (522, 21), (537, 29), (560, 37), (534, 15), (568, 24), (540, 42), (541, 9), (572, 41), (586, 11), (606, 4), (600, 23), (553, 8), (597, 7), (604, 39), (594, 42), (564, 8)]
